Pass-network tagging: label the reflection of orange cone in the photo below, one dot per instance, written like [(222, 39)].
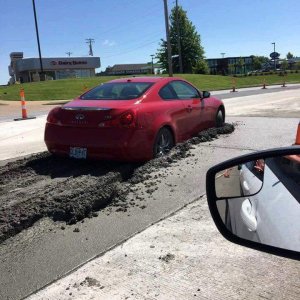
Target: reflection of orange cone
[(298, 136), (23, 104)]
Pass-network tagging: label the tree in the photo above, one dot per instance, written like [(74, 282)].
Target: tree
[(289, 55), (191, 50), (201, 67), (240, 64), (231, 69), (284, 65), (258, 61)]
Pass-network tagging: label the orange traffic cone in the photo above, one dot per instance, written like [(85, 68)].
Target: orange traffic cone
[(233, 85), (23, 105), (298, 136)]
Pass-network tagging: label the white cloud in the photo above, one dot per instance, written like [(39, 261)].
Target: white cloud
[(108, 43)]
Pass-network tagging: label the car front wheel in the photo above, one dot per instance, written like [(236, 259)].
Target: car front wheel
[(163, 143)]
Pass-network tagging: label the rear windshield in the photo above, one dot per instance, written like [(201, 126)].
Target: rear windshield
[(117, 91)]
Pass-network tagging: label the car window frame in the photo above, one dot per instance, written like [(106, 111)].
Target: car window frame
[(172, 90), (188, 85)]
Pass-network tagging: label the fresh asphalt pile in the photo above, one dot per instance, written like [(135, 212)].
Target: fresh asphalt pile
[(71, 190)]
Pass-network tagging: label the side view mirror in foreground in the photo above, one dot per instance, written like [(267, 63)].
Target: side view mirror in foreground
[(255, 200)]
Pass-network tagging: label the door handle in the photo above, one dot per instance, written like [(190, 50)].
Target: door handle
[(246, 186), (248, 215), (189, 108)]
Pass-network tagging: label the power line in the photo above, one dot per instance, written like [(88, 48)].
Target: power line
[(131, 50), (90, 42), (134, 44)]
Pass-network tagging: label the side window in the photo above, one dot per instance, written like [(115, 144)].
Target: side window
[(167, 93), (184, 90)]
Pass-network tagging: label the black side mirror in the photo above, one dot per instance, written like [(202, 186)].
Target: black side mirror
[(255, 200), (205, 94)]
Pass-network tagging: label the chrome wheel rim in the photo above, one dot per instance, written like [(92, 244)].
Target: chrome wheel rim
[(164, 144)]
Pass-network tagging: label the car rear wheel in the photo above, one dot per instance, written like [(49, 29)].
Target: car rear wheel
[(220, 118), (163, 143)]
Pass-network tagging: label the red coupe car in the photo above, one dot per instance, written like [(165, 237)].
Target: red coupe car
[(131, 119)]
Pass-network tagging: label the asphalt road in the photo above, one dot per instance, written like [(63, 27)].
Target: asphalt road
[(43, 253)]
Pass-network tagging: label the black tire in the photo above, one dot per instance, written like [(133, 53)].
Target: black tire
[(163, 143), (220, 118)]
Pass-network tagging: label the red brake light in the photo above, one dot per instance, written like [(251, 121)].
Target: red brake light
[(127, 119), (53, 116)]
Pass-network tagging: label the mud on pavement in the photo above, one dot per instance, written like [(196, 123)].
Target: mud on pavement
[(68, 190)]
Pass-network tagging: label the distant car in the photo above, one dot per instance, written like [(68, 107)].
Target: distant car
[(131, 119)]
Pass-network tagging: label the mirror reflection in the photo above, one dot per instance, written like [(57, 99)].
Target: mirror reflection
[(267, 209), (244, 179)]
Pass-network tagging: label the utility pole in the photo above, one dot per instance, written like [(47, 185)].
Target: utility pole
[(168, 38), (178, 40), (223, 53), (69, 53), (38, 41), (90, 42), (152, 66), (274, 57)]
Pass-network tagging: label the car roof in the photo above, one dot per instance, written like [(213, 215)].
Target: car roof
[(145, 79)]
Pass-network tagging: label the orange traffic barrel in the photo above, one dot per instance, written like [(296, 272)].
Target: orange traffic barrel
[(297, 142)]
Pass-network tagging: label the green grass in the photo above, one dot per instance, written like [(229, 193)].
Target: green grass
[(70, 88)]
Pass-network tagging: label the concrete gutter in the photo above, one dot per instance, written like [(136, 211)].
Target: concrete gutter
[(182, 257)]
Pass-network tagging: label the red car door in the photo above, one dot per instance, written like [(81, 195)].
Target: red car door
[(196, 115)]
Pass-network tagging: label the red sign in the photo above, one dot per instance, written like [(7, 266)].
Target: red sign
[(68, 62)]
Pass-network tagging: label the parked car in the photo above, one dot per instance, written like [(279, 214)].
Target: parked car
[(131, 119), (270, 204)]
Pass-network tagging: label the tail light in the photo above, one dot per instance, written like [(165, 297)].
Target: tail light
[(125, 120), (53, 116)]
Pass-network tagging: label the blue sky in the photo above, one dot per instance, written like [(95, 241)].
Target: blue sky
[(129, 31)]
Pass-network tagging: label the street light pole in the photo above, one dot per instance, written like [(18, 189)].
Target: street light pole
[(152, 66), (38, 41), (168, 39), (274, 57), (178, 40)]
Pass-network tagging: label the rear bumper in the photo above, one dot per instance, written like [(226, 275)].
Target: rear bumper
[(120, 144)]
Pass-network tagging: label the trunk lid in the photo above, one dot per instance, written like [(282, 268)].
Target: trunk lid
[(91, 113)]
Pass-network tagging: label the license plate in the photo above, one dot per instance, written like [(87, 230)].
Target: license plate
[(79, 153)]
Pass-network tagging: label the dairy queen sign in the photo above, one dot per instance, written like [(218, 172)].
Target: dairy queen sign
[(68, 62)]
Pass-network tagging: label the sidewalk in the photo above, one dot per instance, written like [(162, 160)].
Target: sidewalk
[(181, 257), (9, 110)]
